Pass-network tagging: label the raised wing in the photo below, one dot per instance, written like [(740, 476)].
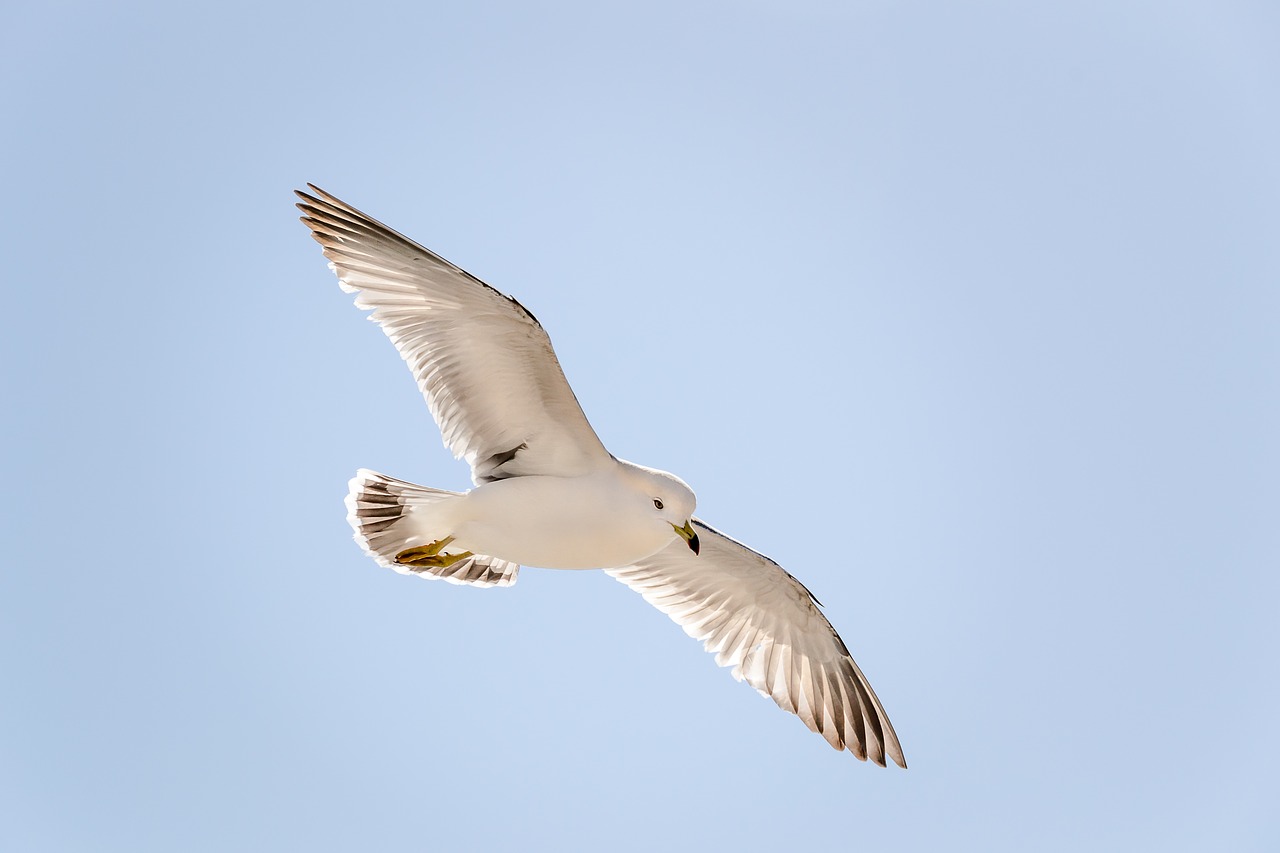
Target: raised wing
[(754, 616), (483, 362)]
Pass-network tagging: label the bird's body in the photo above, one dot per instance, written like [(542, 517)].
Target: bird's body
[(547, 492), (587, 521)]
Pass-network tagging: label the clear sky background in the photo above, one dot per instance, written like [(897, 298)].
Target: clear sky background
[(967, 313)]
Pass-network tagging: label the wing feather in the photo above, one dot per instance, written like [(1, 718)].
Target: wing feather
[(759, 620), (483, 362)]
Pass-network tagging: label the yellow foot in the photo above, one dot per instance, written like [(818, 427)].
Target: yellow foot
[(429, 556)]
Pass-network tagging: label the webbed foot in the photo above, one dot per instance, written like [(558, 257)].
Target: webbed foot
[(429, 556)]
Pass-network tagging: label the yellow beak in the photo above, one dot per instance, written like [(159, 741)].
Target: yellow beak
[(688, 534)]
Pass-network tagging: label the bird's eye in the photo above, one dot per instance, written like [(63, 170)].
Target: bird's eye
[(657, 503)]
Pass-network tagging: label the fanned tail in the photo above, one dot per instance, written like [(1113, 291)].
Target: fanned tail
[(381, 511)]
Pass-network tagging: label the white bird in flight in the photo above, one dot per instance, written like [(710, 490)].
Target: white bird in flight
[(547, 492)]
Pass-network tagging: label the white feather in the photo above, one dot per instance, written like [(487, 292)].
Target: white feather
[(758, 619), (483, 362)]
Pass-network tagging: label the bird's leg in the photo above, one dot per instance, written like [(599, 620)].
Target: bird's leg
[(429, 556)]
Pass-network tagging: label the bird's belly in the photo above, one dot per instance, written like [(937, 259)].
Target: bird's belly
[(553, 523)]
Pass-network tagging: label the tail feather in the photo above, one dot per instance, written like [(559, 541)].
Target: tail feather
[(379, 509)]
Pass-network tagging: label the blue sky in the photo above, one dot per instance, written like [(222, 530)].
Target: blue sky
[(965, 313)]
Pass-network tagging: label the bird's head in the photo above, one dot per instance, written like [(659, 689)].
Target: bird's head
[(669, 501)]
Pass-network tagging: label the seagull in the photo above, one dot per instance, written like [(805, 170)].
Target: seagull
[(548, 494)]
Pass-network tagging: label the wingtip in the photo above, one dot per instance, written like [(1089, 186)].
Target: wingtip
[(322, 194), (879, 758), (316, 196)]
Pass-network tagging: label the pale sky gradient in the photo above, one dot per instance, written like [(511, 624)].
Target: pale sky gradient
[(966, 313)]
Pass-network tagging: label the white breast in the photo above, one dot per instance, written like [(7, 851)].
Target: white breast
[(589, 522)]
